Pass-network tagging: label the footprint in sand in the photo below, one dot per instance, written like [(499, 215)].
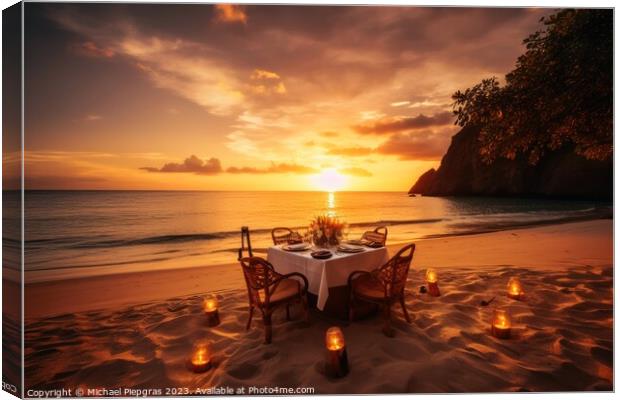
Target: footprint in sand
[(243, 371), (269, 355)]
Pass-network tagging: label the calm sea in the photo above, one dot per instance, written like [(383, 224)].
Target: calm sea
[(81, 233)]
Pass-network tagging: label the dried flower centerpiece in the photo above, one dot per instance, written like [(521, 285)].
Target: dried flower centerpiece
[(325, 231)]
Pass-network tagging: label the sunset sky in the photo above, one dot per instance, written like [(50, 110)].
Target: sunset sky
[(251, 98)]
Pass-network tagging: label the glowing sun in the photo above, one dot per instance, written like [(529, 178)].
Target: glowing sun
[(329, 180)]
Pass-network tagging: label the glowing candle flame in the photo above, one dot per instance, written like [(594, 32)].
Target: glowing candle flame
[(501, 319), (334, 338), (201, 356), (514, 287), (431, 276), (210, 303)]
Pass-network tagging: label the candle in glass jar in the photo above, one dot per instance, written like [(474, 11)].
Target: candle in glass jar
[(501, 324), (431, 280), (201, 357), (336, 362), (515, 290), (210, 308)]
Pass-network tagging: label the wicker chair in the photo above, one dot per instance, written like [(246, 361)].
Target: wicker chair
[(267, 290), (379, 235), (283, 235), (384, 286)]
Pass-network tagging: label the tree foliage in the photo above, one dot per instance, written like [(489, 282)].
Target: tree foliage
[(559, 94)]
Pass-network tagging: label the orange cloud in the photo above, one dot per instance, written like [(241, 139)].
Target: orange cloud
[(355, 171), (264, 74), (93, 50), (230, 13), (266, 82), (350, 151), (170, 64), (273, 169)]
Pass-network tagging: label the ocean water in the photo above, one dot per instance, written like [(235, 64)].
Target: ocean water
[(84, 233)]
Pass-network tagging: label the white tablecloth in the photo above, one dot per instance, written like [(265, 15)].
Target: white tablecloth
[(323, 274)]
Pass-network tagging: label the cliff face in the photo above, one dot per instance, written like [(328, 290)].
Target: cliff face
[(559, 174)]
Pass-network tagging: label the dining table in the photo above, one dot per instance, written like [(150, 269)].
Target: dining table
[(323, 274)]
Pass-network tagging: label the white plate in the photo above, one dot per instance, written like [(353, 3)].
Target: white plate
[(347, 248), (296, 247)]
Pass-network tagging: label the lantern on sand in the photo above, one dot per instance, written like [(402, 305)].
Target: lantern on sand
[(431, 280), (501, 324), (336, 361), (210, 306), (201, 357)]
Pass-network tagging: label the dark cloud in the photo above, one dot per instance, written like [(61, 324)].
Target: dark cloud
[(350, 151), (390, 125), (213, 166), (273, 169), (422, 146), (192, 164), (329, 134)]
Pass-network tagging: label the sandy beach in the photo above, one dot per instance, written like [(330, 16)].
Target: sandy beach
[(136, 330)]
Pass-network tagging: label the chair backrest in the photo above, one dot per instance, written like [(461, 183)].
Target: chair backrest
[(393, 275), (245, 236), (259, 276), (379, 235), (282, 235), (382, 230)]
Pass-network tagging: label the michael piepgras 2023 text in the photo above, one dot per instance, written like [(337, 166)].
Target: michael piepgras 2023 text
[(176, 391)]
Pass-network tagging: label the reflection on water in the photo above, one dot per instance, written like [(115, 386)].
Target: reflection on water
[(331, 204)]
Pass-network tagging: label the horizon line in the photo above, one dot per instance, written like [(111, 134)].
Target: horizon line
[(204, 190)]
